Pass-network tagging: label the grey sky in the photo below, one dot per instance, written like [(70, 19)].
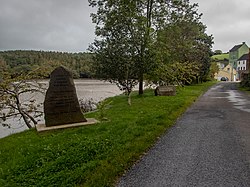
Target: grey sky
[(63, 25), (59, 25), (227, 20)]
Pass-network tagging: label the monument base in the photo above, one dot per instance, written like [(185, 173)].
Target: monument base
[(42, 127)]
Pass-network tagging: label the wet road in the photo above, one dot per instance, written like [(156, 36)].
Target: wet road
[(208, 146), (86, 89)]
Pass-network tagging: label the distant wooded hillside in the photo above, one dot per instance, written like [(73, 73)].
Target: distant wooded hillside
[(20, 61)]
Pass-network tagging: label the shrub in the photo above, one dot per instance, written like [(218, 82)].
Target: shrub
[(245, 83)]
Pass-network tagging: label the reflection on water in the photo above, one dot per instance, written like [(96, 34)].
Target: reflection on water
[(86, 89)]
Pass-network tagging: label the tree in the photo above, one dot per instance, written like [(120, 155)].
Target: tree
[(116, 66), (175, 74), (185, 41), (217, 52), (245, 83), (122, 54), (127, 32), (214, 68), (17, 99)]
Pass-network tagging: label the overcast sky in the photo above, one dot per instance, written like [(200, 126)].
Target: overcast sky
[(64, 25)]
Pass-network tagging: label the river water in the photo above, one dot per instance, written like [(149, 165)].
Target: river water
[(86, 89)]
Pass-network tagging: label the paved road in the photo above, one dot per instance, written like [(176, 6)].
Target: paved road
[(209, 146)]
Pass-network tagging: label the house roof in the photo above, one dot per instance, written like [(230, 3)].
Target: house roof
[(244, 57), (236, 47)]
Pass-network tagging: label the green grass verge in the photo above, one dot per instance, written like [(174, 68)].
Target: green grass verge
[(246, 90), (94, 155)]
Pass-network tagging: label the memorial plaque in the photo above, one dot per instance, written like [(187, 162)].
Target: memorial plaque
[(165, 91), (61, 104)]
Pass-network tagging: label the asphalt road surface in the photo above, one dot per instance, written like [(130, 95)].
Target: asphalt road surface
[(208, 146)]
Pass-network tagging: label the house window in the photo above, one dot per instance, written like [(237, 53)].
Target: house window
[(244, 68), (243, 62), (238, 68), (239, 62)]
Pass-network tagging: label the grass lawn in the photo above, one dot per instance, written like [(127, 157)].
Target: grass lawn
[(94, 155), (221, 56)]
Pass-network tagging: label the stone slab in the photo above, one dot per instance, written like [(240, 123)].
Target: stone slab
[(165, 91), (61, 104), (42, 127)]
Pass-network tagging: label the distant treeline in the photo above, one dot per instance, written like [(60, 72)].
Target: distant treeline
[(25, 61)]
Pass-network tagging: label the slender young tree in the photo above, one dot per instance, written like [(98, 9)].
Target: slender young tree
[(124, 37), (121, 48), (17, 99)]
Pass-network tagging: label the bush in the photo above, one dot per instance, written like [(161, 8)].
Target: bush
[(245, 83), (87, 105)]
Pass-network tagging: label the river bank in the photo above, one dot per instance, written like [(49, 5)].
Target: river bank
[(86, 89)]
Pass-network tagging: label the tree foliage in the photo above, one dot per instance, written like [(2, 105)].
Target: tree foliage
[(214, 68), (137, 37), (3, 68), (185, 41), (217, 52), (245, 83), (21, 62), (175, 74), (122, 50)]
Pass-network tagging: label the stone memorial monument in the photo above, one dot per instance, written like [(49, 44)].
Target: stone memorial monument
[(61, 104), (165, 91)]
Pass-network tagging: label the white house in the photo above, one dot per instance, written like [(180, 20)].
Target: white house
[(242, 65), (242, 62)]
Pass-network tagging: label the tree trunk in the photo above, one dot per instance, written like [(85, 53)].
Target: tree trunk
[(30, 117), (129, 99), (25, 120), (146, 41), (140, 86), (21, 112)]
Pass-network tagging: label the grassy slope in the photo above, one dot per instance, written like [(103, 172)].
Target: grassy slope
[(246, 90), (221, 56), (95, 155)]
